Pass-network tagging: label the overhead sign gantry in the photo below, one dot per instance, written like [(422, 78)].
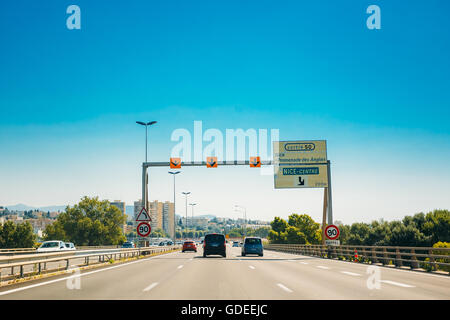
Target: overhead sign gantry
[(297, 164)]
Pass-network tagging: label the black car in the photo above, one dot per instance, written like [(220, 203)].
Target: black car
[(214, 243)]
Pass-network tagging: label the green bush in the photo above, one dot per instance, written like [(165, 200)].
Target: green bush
[(442, 252)]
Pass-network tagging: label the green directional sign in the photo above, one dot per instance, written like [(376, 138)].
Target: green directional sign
[(301, 176)]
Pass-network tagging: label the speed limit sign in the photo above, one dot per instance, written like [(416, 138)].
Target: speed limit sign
[(332, 232), (143, 229)]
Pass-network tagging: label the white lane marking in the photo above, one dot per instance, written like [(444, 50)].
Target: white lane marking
[(291, 260), (181, 266), (150, 287), (284, 287), (79, 275), (323, 267), (350, 273), (304, 262), (191, 259), (251, 267), (397, 284)]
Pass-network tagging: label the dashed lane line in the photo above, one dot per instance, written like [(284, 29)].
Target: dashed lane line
[(397, 284), (150, 287), (350, 273), (284, 287)]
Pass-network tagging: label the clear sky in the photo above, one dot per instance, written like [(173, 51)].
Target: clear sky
[(69, 100)]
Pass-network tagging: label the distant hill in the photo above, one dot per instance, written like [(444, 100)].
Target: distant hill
[(24, 207)]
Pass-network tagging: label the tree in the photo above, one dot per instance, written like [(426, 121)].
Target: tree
[(294, 236), (307, 226), (402, 235), (90, 222), (158, 233), (278, 225), (437, 226), (16, 236)]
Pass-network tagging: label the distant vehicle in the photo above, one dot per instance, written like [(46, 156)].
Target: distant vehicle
[(70, 246), (189, 246), (169, 243), (162, 243), (128, 244), (235, 244), (214, 243), (179, 242), (252, 245), (52, 246)]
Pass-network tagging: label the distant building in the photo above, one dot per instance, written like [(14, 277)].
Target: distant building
[(137, 208), (200, 222), (168, 218), (257, 226), (156, 214), (54, 214), (120, 205)]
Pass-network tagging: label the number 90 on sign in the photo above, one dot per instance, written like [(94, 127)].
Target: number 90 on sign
[(143, 229), (332, 232)]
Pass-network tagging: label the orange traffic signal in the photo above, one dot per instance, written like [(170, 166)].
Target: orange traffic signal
[(175, 163), (211, 162), (255, 162)]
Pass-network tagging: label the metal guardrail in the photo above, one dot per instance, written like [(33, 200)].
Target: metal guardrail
[(413, 257), (40, 260), (18, 251)]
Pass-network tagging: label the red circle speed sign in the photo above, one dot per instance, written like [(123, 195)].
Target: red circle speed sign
[(332, 232), (143, 229)]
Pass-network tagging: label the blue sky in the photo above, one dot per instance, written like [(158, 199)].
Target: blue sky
[(69, 100)]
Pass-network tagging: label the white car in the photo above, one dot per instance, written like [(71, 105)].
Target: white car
[(70, 246), (52, 246)]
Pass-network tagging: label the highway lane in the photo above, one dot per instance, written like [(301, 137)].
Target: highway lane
[(274, 276)]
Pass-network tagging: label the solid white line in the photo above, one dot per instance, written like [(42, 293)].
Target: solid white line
[(323, 267), (179, 267), (79, 275), (304, 262), (251, 267), (150, 287), (291, 260), (284, 287), (350, 273), (397, 284)]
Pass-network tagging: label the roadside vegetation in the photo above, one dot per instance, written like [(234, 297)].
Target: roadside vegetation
[(419, 230)]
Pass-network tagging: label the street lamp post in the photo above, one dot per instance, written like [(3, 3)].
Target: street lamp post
[(144, 170), (185, 224), (174, 212)]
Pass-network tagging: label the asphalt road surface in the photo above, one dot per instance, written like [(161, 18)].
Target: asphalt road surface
[(275, 276)]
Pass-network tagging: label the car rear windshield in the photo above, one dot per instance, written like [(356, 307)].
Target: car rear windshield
[(189, 242), (214, 238), (50, 245), (252, 241)]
